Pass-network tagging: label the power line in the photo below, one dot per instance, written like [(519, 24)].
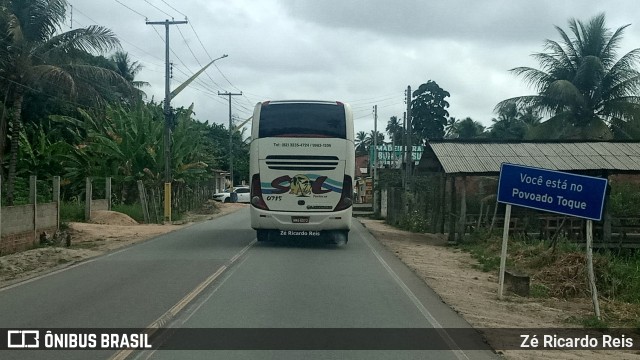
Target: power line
[(174, 9), (204, 85), (205, 50), (119, 37), (157, 8), (145, 17)]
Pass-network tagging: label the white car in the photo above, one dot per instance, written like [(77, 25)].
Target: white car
[(225, 196)]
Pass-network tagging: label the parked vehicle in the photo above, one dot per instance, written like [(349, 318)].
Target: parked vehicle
[(241, 191)]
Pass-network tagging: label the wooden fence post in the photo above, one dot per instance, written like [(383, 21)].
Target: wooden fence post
[(452, 212), (143, 202), (590, 275), (462, 226)]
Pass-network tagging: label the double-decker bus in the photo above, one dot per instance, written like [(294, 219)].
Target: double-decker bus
[(301, 165)]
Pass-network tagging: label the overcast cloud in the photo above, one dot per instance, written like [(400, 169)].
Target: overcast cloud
[(364, 52)]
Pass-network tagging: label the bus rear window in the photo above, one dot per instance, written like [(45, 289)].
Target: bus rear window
[(302, 120)]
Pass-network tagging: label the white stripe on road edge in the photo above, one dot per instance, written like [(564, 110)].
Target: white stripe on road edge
[(427, 315), (180, 305)]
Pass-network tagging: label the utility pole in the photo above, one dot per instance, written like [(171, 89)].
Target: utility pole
[(409, 144), (167, 120), (230, 137), (376, 209), (404, 149)]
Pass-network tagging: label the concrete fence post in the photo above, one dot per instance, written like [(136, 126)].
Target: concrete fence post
[(0, 210), (33, 198), (108, 192), (87, 199), (56, 199)]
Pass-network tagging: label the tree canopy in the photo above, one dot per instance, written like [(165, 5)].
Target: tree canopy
[(583, 86), (429, 111), (70, 108)]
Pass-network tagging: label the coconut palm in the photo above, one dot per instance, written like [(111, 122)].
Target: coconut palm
[(128, 69), (469, 129), (36, 57), (582, 85), (361, 142), (395, 130), (372, 135), (508, 125), (451, 127)]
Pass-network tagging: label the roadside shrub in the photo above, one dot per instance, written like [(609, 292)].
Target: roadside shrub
[(71, 211), (414, 221), (133, 210), (624, 200)]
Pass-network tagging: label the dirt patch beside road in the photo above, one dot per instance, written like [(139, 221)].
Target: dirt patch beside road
[(472, 293)]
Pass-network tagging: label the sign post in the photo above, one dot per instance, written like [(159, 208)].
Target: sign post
[(553, 191)]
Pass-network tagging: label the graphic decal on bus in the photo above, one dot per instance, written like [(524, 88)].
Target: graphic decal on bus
[(302, 185)]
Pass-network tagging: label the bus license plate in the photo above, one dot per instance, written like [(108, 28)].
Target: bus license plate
[(300, 219)]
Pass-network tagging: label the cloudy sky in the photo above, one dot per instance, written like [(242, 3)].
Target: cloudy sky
[(364, 52)]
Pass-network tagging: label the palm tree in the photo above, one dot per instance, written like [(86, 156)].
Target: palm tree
[(372, 135), (582, 85), (469, 129), (451, 127), (508, 125), (128, 69), (361, 142), (34, 56), (395, 130)]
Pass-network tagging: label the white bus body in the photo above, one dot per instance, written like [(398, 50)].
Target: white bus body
[(301, 165)]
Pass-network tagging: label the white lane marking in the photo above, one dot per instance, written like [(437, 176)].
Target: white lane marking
[(180, 305), (205, 300), (414, 299)]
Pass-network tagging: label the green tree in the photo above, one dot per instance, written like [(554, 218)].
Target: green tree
[(468, 129), (36, 57), (372, 135), (127, 145), (582, 84), (127, 68), (508, 125), (451, 127), (219, 137), (361, 143), (429, 111), (395, 130)]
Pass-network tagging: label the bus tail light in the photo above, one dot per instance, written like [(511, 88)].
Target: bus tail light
[(347, 192), (256, 193)]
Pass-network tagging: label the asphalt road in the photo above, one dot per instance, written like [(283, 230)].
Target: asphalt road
[(213, 275)]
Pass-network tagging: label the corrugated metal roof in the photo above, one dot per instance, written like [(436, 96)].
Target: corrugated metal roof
[(486, 157)]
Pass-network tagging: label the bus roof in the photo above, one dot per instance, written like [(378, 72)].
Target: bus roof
[(301, 102)]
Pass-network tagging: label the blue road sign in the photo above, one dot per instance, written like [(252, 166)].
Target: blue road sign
[(554, 191)]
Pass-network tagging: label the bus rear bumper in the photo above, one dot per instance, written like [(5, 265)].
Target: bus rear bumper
[(317, 221)]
